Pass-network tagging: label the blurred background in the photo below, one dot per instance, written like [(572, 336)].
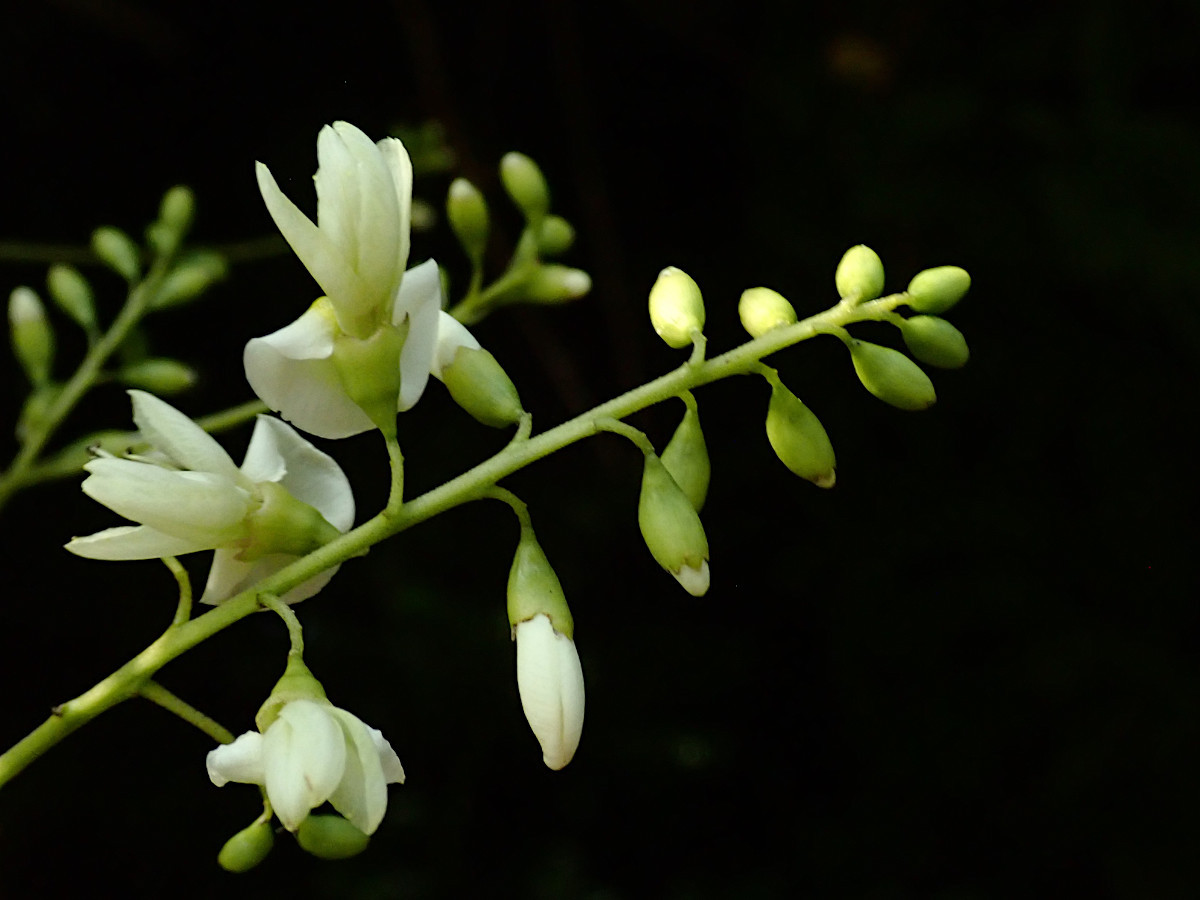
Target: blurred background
[(969, 671)]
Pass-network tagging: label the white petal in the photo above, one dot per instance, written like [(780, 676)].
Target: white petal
[(304, 754), (362, 794), (131, 542), (694, 580), (395, 157), (241, 761), (323, 258), (230, 575), (207, 509), (392, 770), (452, 335), (420, 299), (181, 439), (277, 453), (550, 681)]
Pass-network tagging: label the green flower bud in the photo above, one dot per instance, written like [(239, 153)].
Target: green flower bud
[(554, 284), (190, 278), (555, 236), (31, 334), (534, 588), (525, 184), (117, 250), (859, 275), (798, 438), (177, 208), (35, 409), (480, 386), (369, 370), (331, 837), (73, 294), (468, 214), (762, 309), (891, 376), (935, 342), (671, 528), (676, 307), (159, 376), (686, 457), (297, 683), (247, 848), (936, 290)]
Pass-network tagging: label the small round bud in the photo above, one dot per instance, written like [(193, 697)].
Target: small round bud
[(190, 278), (158, 376), (555, 284), (936, 290), (31, 334), (117, 250), (73, 294), (671, 528), (177, 208), (676, 307), (762, 309), (525, 184), (480, 386), (686, 457), (468, 214), (330, 837), (891, 376), (247, 848), (534, 588), (555, 236), (859, 275), (935, 342), (799, 439)]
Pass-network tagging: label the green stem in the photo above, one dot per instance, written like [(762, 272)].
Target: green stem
[(396, 460), (638, 438), (156, 693), (281, 609), (183, 611), (473, 484)]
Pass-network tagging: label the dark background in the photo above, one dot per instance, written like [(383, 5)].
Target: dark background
[(969, 671)]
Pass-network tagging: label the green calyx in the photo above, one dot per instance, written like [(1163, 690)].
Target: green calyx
[(283, 524), (936, 290), (297, 683), (247, 848), (671, 527), (480, 386), (369, 369), (935, 342), (330, 837), (891, 376), (798, 437), (534, 588), (686, 456)]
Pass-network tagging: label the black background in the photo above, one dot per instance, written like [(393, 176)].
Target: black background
[(968, 671)]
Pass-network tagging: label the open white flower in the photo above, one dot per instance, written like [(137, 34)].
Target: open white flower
[(286, 499), (312, 753), (550, 681), (377, 327)]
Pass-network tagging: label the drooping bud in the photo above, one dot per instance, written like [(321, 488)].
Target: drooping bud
[(676, 307), (555, 236), (525, 184), (190, 278), (330, 837), (859, 275), (480, 386), (534, 588), (671, 528), (762, 309), (554, 284), (117, 250), (73, 294), (247, 848), (798, 437), (891, 376), (935, 342), (936, 290), (468, 214), (297, 683), (686, 456), (158, 376), (31, 334)]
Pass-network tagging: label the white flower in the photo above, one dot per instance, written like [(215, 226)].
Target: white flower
[(312, 753), (286, 499), (357, 252), (550, 681)]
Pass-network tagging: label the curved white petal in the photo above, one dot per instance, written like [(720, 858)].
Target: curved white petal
[(230, 575), (130, 542), (304, 756), (396, 158), (420, 299), (240, 761), (392, 770), (277, 453), (187, 444), (550, 681), (452, 335), (361, 796)]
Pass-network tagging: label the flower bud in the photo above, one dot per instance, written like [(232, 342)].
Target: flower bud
[(534, 588), (859, 275), (762, 309), (190, 278), (177, 208), (35, 409), (936, 290), (247, 848), (525, 184), (798, 438), (676, 307), (31, 334), (555, 236), (686, 457), (73, 294), (480, 386), (935, 342), (117, 250), (158, 376), (468, 214), (671, 528), (554, 283), (330, 837), (891, 376)]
